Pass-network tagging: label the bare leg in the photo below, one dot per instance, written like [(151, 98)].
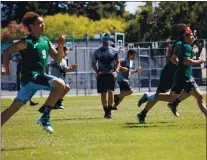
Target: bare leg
[(13, 108), (66, 90), (167, 97), (56, 93), (122, 95), (104, 100), (197, 94), (110, 98)]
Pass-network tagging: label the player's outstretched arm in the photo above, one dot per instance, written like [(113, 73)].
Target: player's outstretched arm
[(136, 70), (189, 61), (15, 47), (71, 68), (57, 55)]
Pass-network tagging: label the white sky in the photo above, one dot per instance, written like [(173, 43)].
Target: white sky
[(133, 6)]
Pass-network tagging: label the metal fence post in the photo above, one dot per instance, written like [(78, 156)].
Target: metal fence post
[(139, 84), (76, 72), (149, 69)]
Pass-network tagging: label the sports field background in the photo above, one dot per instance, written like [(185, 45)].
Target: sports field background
[(81, 133)]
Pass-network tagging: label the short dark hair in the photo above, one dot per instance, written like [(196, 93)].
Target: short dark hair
[(181, 28), (29, 18), (131, 52)]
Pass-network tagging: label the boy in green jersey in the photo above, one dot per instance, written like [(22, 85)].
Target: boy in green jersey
[(36, 50)]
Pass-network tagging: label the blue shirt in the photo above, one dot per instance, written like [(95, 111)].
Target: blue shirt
[(128, 64), (106, 59)]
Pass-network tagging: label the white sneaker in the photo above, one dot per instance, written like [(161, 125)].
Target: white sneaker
[(46, 128)]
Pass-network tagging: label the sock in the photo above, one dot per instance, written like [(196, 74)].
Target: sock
[(47, 110), (109, 108), (176, 102), (144, 112), (105, 108)]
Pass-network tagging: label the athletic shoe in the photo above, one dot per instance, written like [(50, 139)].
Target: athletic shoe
[(33, 103), (114, 108), (141, 117), (45, 123), (58, 104), (116, 99), (173, 109), (107, 114), (143, 99), (41, 109)]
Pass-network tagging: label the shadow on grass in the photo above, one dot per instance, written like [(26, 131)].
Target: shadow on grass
[(71, 119), (151, 125), (17, 149)]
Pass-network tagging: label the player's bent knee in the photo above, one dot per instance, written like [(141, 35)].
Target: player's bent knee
[(58, 83), (67, 87)]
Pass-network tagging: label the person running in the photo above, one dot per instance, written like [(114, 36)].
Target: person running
[(166, 78), (126, 69), (37, 49), (59, 70), (108, 67)]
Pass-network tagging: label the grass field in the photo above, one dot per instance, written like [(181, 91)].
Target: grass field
[(81, 133)]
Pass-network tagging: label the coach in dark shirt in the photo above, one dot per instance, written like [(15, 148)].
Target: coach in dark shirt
[(108, 67)]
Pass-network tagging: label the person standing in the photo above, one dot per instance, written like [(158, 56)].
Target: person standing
[(108, 67)]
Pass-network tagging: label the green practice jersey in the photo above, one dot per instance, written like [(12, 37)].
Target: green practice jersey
[(34, 58), (184, 50)]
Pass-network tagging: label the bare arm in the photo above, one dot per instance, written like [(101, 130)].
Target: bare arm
[(57, 55), (15, 47), (117, 65), (94, 66), (136, 70), (125, 69), (189, 61), (174, 59), (71, 68)]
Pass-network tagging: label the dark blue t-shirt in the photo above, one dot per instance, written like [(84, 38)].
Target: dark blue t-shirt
[(106, 59)]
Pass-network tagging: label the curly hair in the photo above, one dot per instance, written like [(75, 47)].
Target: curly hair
[(29, 18), (181, 28)]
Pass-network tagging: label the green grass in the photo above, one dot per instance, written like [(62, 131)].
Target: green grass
[(81, 133)]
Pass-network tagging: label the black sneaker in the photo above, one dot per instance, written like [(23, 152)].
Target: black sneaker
[(173, 109), (58, 104), (41, 109), (116, 99), (33, 103), (107, 114), (141, 117), (114, 108)]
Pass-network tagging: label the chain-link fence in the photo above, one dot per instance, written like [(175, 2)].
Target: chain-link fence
[(83, 80)]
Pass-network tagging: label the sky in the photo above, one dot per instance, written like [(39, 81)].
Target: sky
[(133, 6)]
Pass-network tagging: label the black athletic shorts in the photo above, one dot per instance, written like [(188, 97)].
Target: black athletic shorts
[(180, 84), (124, 85), (166, 78), (105, 82)]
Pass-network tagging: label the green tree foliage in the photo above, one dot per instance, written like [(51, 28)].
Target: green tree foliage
[(70, 25), (95, 10), (159, 24)]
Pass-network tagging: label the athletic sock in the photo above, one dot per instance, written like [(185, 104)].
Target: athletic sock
[(176, 102), (144, 112)]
